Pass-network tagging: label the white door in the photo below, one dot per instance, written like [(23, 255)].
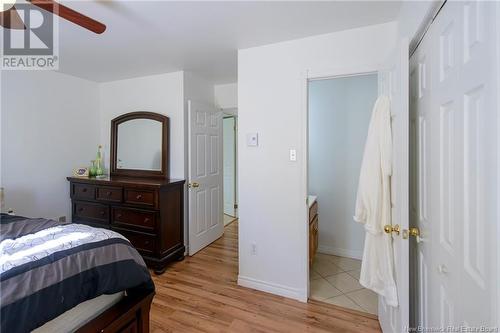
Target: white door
[(455, 111), (205, 176), (393, 81), (229, 152), (420, 143)]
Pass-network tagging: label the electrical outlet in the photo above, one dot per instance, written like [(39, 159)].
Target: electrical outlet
[(254, 249), (293, 155), (62, 218)]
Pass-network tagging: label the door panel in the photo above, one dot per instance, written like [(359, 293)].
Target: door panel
[(457, 174), (205, 176), (394, 82), (421, 68)]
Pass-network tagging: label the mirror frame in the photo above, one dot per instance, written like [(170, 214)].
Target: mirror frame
[(163, 173)]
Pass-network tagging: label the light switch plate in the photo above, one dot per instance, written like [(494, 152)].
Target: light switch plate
[(293, 155), (252, 139)]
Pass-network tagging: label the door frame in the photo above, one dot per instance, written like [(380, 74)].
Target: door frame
[(235, 118), (305, 77)]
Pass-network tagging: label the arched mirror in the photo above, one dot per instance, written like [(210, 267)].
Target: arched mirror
[(139, 145)]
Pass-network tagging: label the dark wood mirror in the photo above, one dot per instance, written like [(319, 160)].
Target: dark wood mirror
[(139, 145)]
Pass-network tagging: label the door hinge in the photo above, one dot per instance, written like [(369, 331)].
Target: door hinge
[(235, 206)]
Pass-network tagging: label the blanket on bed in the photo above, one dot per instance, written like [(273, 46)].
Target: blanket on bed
[(49, 267)]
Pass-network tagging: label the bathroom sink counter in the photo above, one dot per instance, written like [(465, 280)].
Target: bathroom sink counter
[(311, 199)]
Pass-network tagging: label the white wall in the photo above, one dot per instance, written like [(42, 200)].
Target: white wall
[(270, 102), (50, 125), (196, 89), (411, 15), (165, 94), (339, 114), (226, 96), (157, 93)]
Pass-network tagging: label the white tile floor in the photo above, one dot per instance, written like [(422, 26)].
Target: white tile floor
[(334, 280)]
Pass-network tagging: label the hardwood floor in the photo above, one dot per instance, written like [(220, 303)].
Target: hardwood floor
[(200, 294)]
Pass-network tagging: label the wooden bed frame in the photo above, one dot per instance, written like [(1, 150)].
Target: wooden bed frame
[(130, 315)]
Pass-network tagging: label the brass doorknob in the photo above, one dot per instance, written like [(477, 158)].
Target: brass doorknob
[(415, 232), (389, 228), (193, 184)]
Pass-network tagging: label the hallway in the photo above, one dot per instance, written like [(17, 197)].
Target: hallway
[(200, 294)]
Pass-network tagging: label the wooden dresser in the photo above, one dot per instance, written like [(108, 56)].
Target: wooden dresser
[(313, 231), (149, 212)]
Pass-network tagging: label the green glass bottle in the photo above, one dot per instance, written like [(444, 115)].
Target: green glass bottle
[(99, 171), (93, 169), (99, 168)]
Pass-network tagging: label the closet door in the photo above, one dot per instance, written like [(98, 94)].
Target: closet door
[(420, 169), (394, 82), (456, 122)]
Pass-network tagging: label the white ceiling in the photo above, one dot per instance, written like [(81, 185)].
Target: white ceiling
[(150, 37)]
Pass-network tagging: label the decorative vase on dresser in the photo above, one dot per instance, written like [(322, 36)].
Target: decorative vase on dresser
[(137, 200)]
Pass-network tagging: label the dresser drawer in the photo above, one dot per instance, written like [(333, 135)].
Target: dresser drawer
[(113, 194), (149, 212), (140, 197), (82, 191), (133, 217), (92, 211), (141, 241)]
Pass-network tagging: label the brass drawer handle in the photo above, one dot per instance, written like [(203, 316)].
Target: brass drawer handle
[(146, 220), (139, 196)]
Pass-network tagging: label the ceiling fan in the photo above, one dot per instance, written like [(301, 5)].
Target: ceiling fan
[(10, 19)]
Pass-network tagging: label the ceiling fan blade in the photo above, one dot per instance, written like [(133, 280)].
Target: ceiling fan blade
[(70, 15), (10, 19)]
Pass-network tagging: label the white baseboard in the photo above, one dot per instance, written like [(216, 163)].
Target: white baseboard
[(272, 288), (355, 254)]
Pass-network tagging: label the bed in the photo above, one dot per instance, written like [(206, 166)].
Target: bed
[(65, 277)]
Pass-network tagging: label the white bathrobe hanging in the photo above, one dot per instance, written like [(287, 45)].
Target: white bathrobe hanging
[(373, 205)]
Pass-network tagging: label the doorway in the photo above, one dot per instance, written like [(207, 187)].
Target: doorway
[(339, 111), (229, 168), (212, 173)]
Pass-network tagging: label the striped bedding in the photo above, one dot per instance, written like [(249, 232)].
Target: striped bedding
[(49, 267)]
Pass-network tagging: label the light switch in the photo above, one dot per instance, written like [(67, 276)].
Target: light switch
[(252, 139), (293, 155)]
